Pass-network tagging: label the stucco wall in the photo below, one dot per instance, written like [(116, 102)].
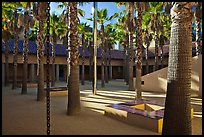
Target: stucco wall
[(200, 75), (157, 81)]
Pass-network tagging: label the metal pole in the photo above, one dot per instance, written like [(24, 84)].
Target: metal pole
[(95, 48)]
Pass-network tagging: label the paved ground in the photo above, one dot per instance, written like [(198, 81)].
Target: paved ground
[(23, 115)]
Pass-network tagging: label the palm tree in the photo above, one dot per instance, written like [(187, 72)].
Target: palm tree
[(11, 9), (15, 54), (64, 34), (89, 37), (177, 113), (5, 36), (39, 14), (57, 29), (155, 9), (138, 88), (198, 18), (110, 39), (82, 28), (122, 38), (25, 49), (102, 18), (130, 7), (7, 24), (163, 33), (73, 107)]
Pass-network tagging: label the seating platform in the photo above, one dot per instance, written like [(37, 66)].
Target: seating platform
[(143, 113), (58, 91)]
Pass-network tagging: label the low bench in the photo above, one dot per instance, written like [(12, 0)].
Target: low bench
[(58, 91), (143, 113)]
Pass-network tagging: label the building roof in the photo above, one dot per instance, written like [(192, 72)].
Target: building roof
[(61, 50)]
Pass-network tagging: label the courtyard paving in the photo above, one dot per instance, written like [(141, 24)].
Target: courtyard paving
[(23, 115)]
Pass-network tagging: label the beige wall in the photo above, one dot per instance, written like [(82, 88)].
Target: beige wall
[(157, 81), (200, 75)]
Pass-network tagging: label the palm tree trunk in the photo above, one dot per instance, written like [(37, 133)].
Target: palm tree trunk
[(68, 43), (124, 62), (25, 54), (130, 28), (95, 50), (90, 60), (53, 58), (177, 113), (83, 58), (15, 54), (6, 63), (156, 53), (106, 63), (146, 58), (198, 28), (40, 52), (73, 106), (110, 66), (161, 56), (102, 56), (138, 87), (127, 58)]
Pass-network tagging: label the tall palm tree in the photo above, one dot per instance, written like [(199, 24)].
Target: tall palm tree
[(138, 88), (95, 5), (130, 8), (73, 106), (65, 20), (146, 37), (25, 48), (54, 19), (15, 53), (82, 28), (122, 38), (39, 14), (7, 24), (89, 38), (11, 9), (155, 9), (198, 19), (102, 18), (110, 39), (177, 113)]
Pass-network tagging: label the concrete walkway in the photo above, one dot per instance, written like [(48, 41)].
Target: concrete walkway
[(23, 115)]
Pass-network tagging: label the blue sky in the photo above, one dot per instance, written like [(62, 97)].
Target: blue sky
[(87, 8)]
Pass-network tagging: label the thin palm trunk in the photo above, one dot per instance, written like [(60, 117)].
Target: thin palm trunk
[(40, 52), (90, 60), (53, 59), (73, 106), (106, 63), (146, 58), (127, 57), (6, 63), (156, 53), (130, 29), (110, 66), (124, 62), (15, 54), (198, 28), (25, 54), (95, 50), (83, 58), (177, 113), (102, 56), (138, 87), (67, 43)]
